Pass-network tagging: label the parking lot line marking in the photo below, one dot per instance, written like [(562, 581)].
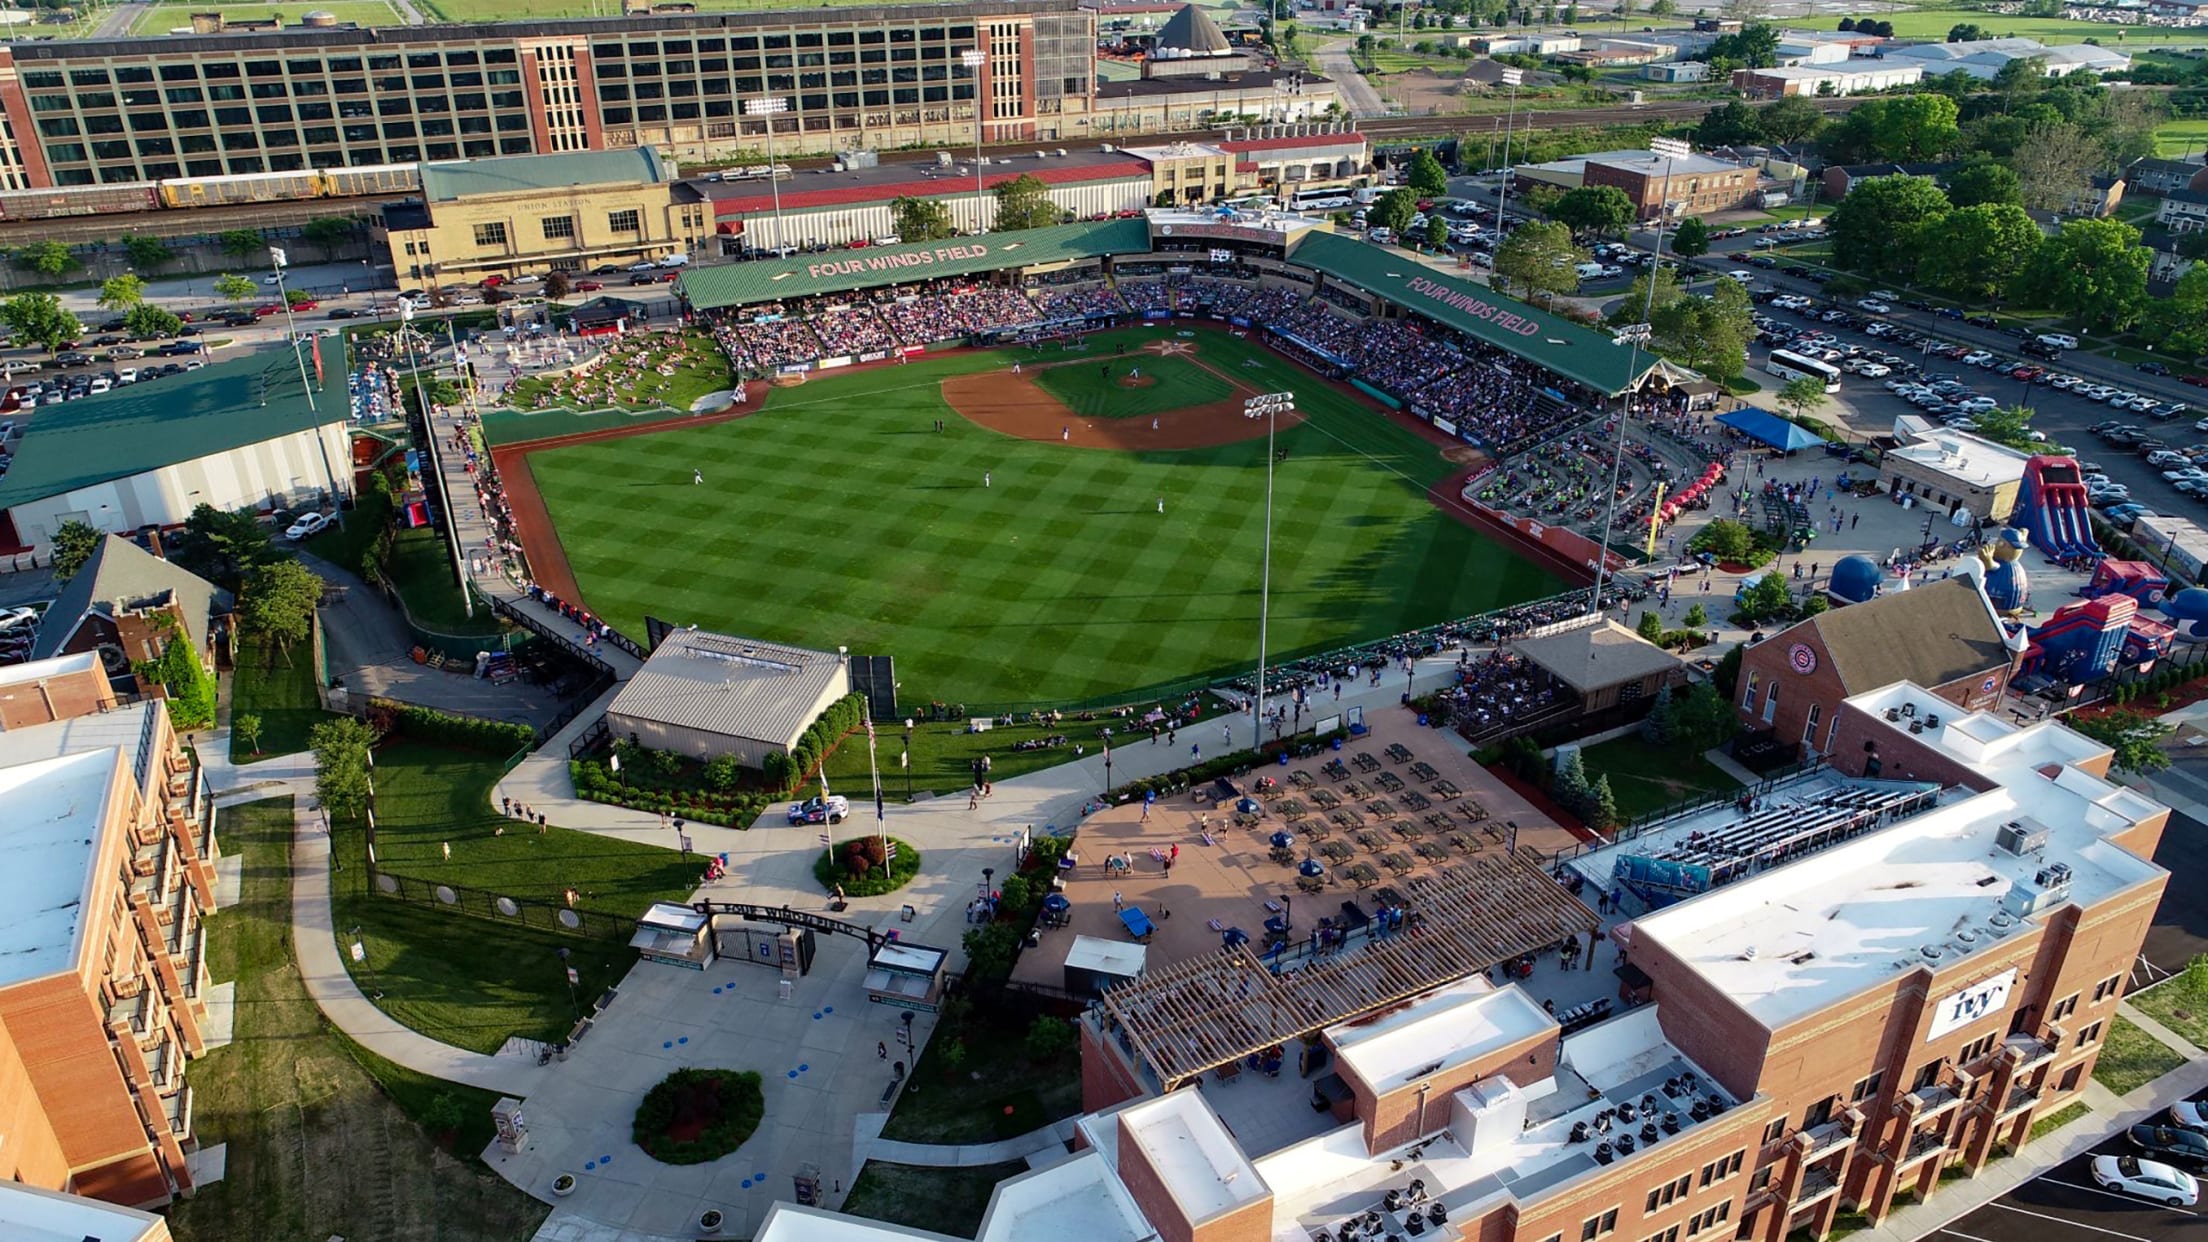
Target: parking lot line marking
[(1966, 1237), (2061, 1221), (2102, 1190)]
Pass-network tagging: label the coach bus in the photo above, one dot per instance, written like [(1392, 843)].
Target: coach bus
[(1786, 364), (1318, 200)]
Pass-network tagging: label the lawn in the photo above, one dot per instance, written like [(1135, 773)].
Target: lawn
[(2180, 1003), (2182, 137), (838, 516), (161, 19), (1647, 778), (2057, 1119), (1096, 392), (421, 569), (947, 1201), (2131, 1058), (993, 1090), (280, 693), (314, 1147), (703, 369), (943, 753), (1935, 23), (473, 981)]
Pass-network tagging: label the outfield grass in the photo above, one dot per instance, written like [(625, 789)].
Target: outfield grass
[(421, 569), (1097, 392), (281, 694), (472, 981), (161, 19), (2186, 137), (1645, 778), (313, 1144), (1935, 23), (838, 516)]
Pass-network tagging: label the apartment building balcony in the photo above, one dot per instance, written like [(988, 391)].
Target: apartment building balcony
[(2019, 1099), (134, 1011), (1816, 1184), (2036, 1049), (1921, 1146), (1825, 1140), (176, 1109), (1935, 1099), (153, 870), (188, 945)]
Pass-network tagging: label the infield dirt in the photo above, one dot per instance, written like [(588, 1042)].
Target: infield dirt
[(1012, 402)]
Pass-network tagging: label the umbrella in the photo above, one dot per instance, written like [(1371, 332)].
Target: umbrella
[(1056, 902), (1283, 839), (1232, 937), (1311, 867)]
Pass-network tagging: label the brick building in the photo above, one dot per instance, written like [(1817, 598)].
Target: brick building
[(125, 604), (63, 688), (1693, 185), (103, 978), (1941, 635)]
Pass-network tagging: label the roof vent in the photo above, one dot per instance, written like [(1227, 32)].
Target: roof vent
[(2001, 921), (1748, 954), (1933, 952), (2021, 837)]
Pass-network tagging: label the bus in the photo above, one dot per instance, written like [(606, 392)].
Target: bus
[(1787, 364), (1318, 200)]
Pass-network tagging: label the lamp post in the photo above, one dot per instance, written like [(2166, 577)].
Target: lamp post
[(1512, 77), (978, 61), (770, 107), (1271, 406), (278, 260), (573, 1008), (905, 760), (1634, 334)]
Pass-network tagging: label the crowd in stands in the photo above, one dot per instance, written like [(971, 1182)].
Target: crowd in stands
[(1078, 301), (632, 370), (852, 330), (1498, 690)]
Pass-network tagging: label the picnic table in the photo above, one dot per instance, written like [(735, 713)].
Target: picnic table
[(1310, 884), (1409, 830), (1447, 790), (1431, 851), (1398, 752), (1336, 851), (1398, 862), (1414, 800), (1473, 811), (1362, 875), (1365, 762), (1334, 770), (1347, 819), (1325, 798), (1301, 779), (1290, 809), (1424, 771), (1315, 828), (1355, 791), (1381, 808), (1388, 782), (1371, 840), (1465, 841), (1389, 895)]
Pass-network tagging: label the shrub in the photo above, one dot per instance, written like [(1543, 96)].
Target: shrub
[(423, 724), (696, 1115), (862, 869), (722, 772)]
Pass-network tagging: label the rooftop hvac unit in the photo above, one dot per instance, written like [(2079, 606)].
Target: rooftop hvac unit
[(2021, 837)]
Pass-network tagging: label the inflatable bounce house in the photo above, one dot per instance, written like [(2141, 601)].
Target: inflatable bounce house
[(2086, 641), (2051, 505), (2138, 579), (2001, 556)]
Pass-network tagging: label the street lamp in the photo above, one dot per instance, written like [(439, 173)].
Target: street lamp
[(278, 259), (572, 1007), (1511, 77), (905, 760), (978, 61), (770, 107), (1270, 406), (1635, 334)]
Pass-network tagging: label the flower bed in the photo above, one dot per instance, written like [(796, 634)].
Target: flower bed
[(860, 867), (696, 1115)]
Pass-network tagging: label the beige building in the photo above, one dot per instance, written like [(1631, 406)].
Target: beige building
[(536, 213), (1951, 470), (703, 695)]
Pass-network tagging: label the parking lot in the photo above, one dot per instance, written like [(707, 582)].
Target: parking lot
[(2064, 1204)]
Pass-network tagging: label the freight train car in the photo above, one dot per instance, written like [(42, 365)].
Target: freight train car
[(78, 200), (240, 189)]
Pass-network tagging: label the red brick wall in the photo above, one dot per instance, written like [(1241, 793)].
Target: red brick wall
[(1251, 1222), (1626, 1184), (65, 696), (1394, 1119), (1105, 1079), (32, 1153)]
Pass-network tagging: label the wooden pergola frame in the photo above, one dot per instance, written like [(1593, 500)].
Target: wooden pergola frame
[(1213, 1010)]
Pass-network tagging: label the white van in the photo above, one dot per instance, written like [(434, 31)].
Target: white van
[(1589, 271), (675, 260)]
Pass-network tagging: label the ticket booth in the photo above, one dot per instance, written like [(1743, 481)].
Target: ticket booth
[(906, 976)]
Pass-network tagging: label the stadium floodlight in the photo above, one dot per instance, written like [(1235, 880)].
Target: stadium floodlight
[(1268, 406), (977, 60), (1512, 77), (770, 107), (277, 260)]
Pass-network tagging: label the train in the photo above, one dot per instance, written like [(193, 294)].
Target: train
[(238, 190)]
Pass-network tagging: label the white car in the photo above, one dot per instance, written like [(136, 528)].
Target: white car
[(1875, 306), (2186, 474), (2148, 1179), (1885, 295), (2059, 340), (273, 278), (12, 619), (1742, 274), (1978, 358), (1873, 370), (308, 525)]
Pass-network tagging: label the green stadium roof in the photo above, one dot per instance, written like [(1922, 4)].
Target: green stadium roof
[(1577, 353), (166, 422), (836, 271), (446, 180)]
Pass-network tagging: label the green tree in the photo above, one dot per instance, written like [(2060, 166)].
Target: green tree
[(1972, 253), (2055, 165), (295, 297), (1437, 232), (1802, 397), (1755, 47), (1637, 302), (1901, 128), (1539, 260), (1725, 539), (1984, 182), (1393, 210), (341, 774), (1691, 239), (38, 319), (232, 288), (1661, 726), (1164, 198), (919, 219), (278, 603), (1024, 203), (47, 258), (222, 547), (239, 243), (1967, 32), (1050, 1037), (247, 727), (1650, 627), (74, 543), (2178, 324), (1662, 8), (1602, 805), (2010, 425), (2093, 272), (1595, 211), (1730, 124), (191, 690), (328, 233), (991, 950), (1708, 333), (147, 321), (1791, 120), (1426, 175), (1697, 617), (147, 253), (1877, 227), (120, 293), (2135, 739), (557, 285)]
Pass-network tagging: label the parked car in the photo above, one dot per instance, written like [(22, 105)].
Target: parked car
[(2170, 1145), (345, 312), (829, 810), (309, 525), (2153, 368), (2190, 1114)]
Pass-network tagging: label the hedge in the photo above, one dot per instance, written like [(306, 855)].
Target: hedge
[(734, 1099), (871, 877), (594, 783), (436, 728), (1238, 762)]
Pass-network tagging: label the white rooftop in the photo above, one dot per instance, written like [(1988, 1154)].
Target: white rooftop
[(1077, 1200), (39, 670), (1199, 1163), (1443, 1030), (787, 1222), (1929, 890), (1960, 455), (55, 809), (28, 1214)]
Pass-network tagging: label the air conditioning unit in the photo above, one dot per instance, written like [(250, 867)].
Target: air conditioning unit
[(2021, 837)]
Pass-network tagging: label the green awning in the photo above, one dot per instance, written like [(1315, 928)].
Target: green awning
[(836, 271), (1582, 354)]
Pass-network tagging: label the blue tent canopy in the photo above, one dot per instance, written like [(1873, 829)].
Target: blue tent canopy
[(1768, 428)]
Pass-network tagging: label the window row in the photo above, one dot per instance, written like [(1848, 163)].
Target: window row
[(785, 42), (117, 174), (192, 71)]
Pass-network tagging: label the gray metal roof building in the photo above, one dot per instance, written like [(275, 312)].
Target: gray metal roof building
[(704, 694)]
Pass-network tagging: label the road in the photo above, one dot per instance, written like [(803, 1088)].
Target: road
[(1357, 94), (117, 21)]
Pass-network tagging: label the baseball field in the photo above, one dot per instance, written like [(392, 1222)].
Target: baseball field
[(1019, 554)]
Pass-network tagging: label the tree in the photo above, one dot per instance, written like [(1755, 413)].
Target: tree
[(557, 285), (1024, 203), (2010, 425), (1706, 718), (1049, 1038), (1691, 239), (1876, 227), (47, 258), (1426, 175), (991, 950), (1602, 805), (247, 727), (1650, 626), (1984, 182), (293, 297), (919, 219), (341, 778), (1967, 32), (74, 543), (1660, 726), (1538, 259), (1791, 120), (38, 319), (120, 293), (1972, 253), (278, 603), (1755, 47), (1595, 211), (1802, 397), (191, 690), (147, 321), (239, 243), (232, 288), (147, 253), (1900, 128), (1437, 232), (2055, 165), (2093, 272), (1163, 198), (1726, 539), (2178, 324), (1708, 333), (1662, 8), (2135, 739), (1730, 124), (1393, 210), (1697, 617), (222, 547), (327, 233)]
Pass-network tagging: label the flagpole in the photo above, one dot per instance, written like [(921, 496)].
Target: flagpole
[(874, 771)]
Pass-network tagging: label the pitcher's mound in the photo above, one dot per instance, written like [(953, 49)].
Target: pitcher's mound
[(1137, 381)]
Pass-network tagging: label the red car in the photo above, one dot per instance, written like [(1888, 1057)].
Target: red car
[(588, 286), (307, 305), (265, 309), (670, 278), (2197, 381)]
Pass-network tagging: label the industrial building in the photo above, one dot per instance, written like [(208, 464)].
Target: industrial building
[(1692, 185), (1984, 58), (703, 695), (1848, 78), (540, 213), (1953, 472)]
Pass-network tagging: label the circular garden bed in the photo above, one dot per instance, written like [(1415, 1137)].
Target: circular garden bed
[(861, 867), (696, 1115)]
